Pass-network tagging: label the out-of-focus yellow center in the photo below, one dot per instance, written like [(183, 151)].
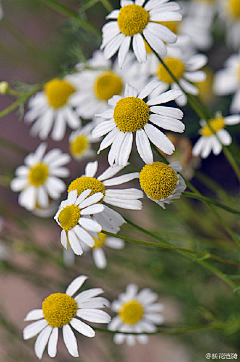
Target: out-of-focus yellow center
[(69, 216), (234, 9), (158, 180), (176, 66), (58, 92), (131, 114), (83, 183), (58, 309), (132, 19), (107, 85), (38, 174), (216, 124), (99, 242), (131, 312), (79, 145)]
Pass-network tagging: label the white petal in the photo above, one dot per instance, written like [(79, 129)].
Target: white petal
[(121, 179), (114, 150), (70, 340), (231, 120), (88, 294), (103, 128), (97, 302), (91, 169), (165, 97), (74, 242), (130, 91), (162, 31), (167, 111), (113, 45), (34, 315), (85, 236), (82, 327), (113, 15), (99, 258), (188, 87), (42, 341), (114, 243), (94, 315), (198, 76), (165, 16), (167, 123), (224, 137), (91, 200), (159, 139), (34, 328), (82, 196), (27, 198), (52, 343), (123, 50), (64, 240), (110, 220), (93, 209), (144, 147), (75, 285), (148, 88), (108, 140), (89, 224), (155, 42), (125, 149), (139, 48)]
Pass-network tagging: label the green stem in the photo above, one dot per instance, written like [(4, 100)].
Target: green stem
[(232, 161), (107, 5)]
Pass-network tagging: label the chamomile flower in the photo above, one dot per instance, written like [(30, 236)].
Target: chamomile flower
[(134, 23), (63, 311), (109, 219), (161, 182), (53, 108), (38, 180), (130, 114), (210, 141), (186, 69), (229, 11), (137, 312), (103, 81), (80, 142), (75, 218), (227, 81)]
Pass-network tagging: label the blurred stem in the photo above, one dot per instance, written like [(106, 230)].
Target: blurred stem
[(108, 6), (232, 161)]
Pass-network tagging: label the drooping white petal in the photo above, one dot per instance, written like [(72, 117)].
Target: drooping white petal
[(139, 48), (82, 327), (155, 42), (74, 242), (123, 50), (159, 139), (124, 150), (70, 340), (84, 236), (42, 341), (52, 343), (144, 147)]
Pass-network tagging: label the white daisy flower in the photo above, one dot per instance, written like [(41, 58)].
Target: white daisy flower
[(186, 70), (104, 81), (227, 81), (62, 310), (137, 312), (229, 12), (75, 218), (80, 142), (52, 108), (38, 180), (213, 142), (161, 182), (109, 219), (131, 114), (137, 22)]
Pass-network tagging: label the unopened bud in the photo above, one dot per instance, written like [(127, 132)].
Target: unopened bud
[(4, 87)]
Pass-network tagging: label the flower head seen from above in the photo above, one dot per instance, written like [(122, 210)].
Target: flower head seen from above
[(161, 182), (53, 108), (210, 141), (131, 114), (38, 180), (109, 219), (62, 310), (135, 22), (80, 142), (137, 312)]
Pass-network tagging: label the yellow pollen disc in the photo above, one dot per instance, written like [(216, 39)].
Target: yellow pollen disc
[(58, 92), (158, 180), (131, 312), (84, 183), (132, 19), (216, 124), (58, 309), (175, 65), (131, 114), (69, 216), (38, 174), (79, 145), (234, 8), (107, 85), (99, 243)]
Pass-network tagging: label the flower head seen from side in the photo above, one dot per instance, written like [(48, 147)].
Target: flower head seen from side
[(229, 12), (137, 312), (63, 311), (227, 81), (134, 23), (53, 108), (131, 114), (80, 142), (210, 141), (161, 182), (75, 218), (38, 180), (109, 219)]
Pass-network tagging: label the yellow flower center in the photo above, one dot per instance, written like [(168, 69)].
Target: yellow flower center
[(84, 183), (58, 309), (132, 19), (158, 180), (175, 65), (58, 92), (131, 312), (69, 216), (79, 145), (234, 8), (131, 114), (216, 124), (107, 85), (38, 174), (99, 243)]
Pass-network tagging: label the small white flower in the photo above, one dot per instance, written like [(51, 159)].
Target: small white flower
[(137, 312), (80, 142), (109, 219), (131, 114), (227, 81), (53, 108), (162, 183), (134, 23), (62, 310), (75, 218), (38, 180), (213, 142), (229, 12)]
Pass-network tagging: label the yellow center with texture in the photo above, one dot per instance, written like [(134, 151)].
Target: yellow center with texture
[(132, 19), (107, 85), (131, 312), (69, 216), (83, 183), (58, 91)]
